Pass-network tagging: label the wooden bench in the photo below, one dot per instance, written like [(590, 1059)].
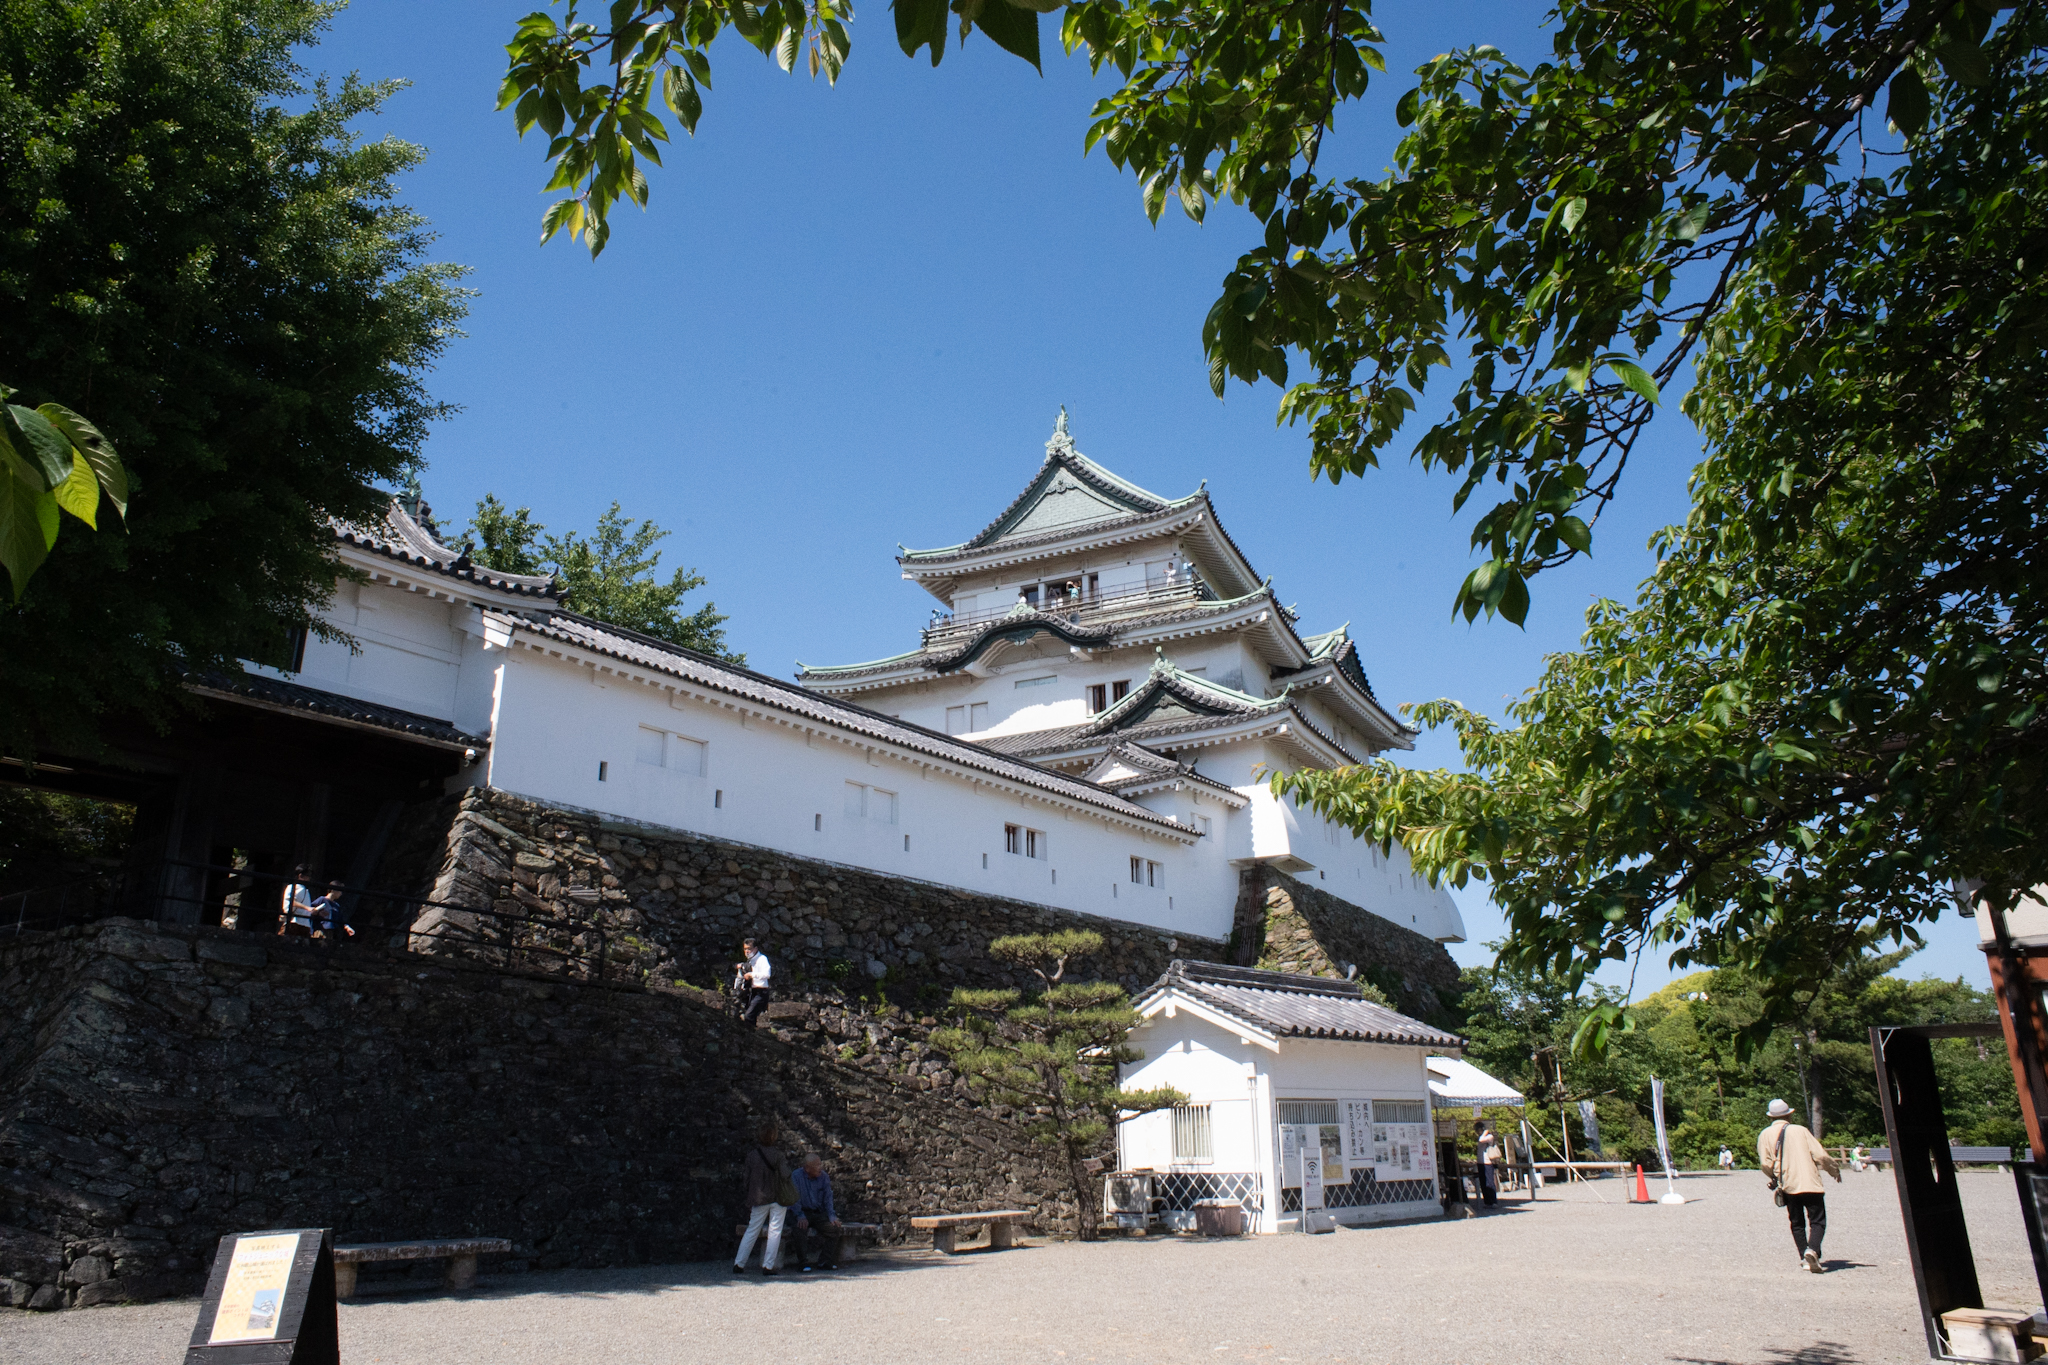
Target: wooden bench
[(945, 1227), (459, 1252)]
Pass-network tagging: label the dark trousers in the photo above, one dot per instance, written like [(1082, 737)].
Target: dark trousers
[(757, 1000), (1809, 1215), (818, 1244)]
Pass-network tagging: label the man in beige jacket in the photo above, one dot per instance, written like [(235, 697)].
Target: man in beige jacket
[(1793, 1159)]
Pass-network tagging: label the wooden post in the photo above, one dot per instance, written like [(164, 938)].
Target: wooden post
[(2019, 1015)]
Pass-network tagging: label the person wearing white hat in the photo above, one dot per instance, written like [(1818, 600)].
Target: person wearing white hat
[(1793, 1159)]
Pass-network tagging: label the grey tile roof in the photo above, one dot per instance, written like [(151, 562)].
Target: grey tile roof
[(1290, 1006), (399, 536), (1150, 769), (966, 646), (275, 692), (718, 675)]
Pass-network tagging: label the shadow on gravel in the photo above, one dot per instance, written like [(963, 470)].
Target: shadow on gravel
[(1820, 1353), (597, 1284)]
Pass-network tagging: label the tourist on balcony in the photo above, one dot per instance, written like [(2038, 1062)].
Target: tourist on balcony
[(817, 1221), (769, 1195), (330, 917), (298, 919)]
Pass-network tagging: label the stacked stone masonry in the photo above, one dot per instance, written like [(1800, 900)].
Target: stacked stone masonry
[(165, 1085)]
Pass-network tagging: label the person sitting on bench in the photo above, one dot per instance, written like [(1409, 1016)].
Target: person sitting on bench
[(817, 1222)]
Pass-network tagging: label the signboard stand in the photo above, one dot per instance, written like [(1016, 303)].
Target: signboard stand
[(269, 1301)]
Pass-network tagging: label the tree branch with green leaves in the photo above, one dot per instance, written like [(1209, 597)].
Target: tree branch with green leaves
[(56, 461), (1055, 1056)]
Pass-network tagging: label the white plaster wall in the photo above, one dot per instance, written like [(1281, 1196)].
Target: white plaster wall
[(557, 721), (411, 650), (1210, 1066)]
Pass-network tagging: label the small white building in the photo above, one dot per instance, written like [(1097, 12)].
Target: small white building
[(1276, 1067)]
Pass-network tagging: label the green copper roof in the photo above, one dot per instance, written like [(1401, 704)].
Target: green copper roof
[(1068, 492)]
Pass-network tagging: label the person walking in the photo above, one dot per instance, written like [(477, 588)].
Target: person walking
[(1793, 1159), (757, 971), (769, 1195), (299, 918), (1727, 1158)]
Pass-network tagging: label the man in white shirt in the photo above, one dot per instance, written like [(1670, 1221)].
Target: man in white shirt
[(757, 971)]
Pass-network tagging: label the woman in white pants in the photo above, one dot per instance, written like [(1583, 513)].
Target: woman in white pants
[(767, 1176)]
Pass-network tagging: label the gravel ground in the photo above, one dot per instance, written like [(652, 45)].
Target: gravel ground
[(1577, 1277)]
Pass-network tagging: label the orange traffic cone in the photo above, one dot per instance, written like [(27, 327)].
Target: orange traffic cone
[(1642, 1195)]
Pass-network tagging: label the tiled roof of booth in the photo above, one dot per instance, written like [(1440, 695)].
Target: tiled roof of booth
[(1289, 1006)]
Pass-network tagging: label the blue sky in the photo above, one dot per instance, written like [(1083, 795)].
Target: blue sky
[(849, 315)]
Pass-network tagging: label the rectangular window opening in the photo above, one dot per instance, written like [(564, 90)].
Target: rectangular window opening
[(1098, 699), (1191, 1140), (1138, 871), (906, 843), (718, 799), (604, 770), (1119, 690), (818, 821), (1013, 838)]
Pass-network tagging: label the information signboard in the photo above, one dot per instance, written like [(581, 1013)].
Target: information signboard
[(269, 1301)]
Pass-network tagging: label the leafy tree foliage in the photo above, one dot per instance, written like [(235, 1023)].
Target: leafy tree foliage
[(230, 290), (609, 575), (1701, 1036), (1054, 1056)]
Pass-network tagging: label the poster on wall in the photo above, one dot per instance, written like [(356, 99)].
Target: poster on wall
[(1290, 1155), (1357, 1129), (1402, 1143)]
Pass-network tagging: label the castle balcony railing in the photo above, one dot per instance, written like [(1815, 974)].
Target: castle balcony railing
[(1083, 608)]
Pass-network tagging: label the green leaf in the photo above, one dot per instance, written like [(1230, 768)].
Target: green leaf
[(28, 518), (1013, 28), (80, 494), (97, 451), (1907, 108), (1635, 376), (1966, 63), (41, 446), (1574, 212), (1575, 533), (1405, 110)]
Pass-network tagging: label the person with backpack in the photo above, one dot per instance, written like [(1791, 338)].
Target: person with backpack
[(1793, 1160), (770, 1192)]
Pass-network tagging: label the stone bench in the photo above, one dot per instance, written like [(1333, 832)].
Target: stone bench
[(459, 1252), (850, 1237), (945, 1227)]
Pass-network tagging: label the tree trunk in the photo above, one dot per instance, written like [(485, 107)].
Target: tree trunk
[(1815, 1120), (1087, 1198)]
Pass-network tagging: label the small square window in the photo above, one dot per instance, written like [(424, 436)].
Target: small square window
[(1138, 871), (1013, 838), (1119, 690)]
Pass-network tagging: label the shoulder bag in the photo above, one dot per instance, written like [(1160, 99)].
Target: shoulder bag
[(1778, 1177)]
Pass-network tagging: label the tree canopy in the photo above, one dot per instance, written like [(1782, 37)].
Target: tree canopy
[(1700, 1036), (197, 253), (610, 575)]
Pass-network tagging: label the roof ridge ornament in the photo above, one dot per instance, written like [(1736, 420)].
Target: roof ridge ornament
[(1162, 667), (1060, 439)]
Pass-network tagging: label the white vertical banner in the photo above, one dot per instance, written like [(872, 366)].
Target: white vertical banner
[(1671, 1194), (1311, 1176)]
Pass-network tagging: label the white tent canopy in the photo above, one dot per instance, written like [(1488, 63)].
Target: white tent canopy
[(1454, 1084)]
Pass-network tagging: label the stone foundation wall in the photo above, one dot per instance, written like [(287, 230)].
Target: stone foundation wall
[(166, 1085), (674, 907), (1287, 925)]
